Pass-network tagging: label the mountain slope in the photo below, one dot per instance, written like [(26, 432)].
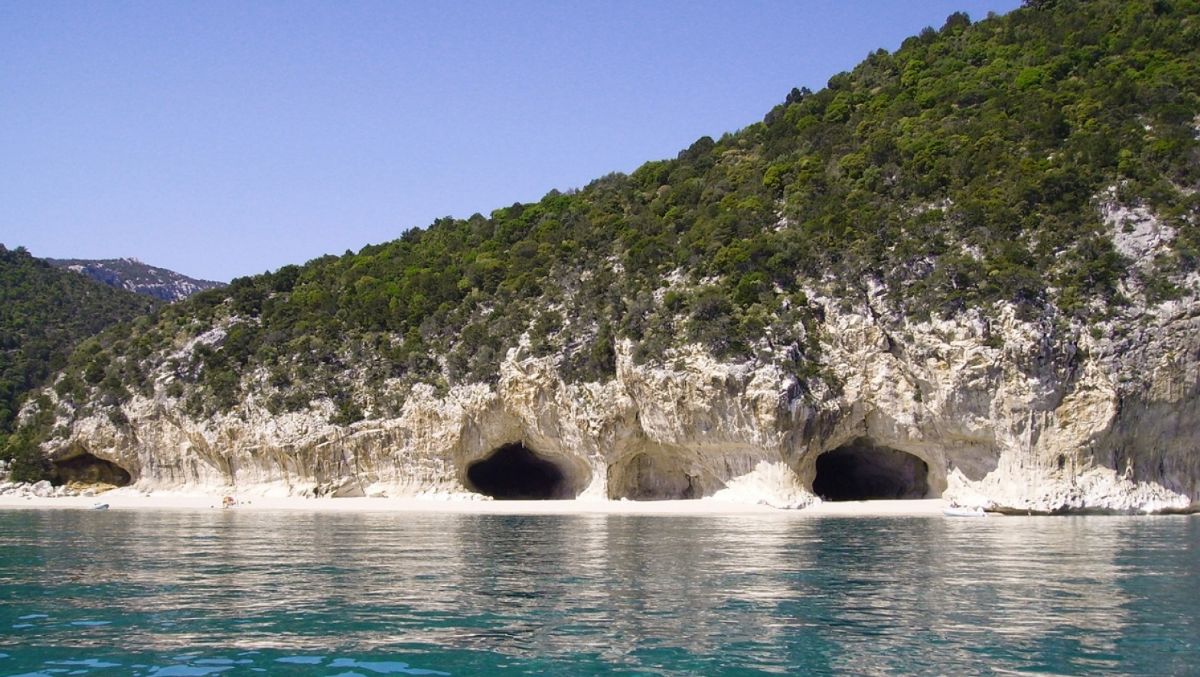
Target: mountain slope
[(1025, 186), (135, 276), (44, 314)]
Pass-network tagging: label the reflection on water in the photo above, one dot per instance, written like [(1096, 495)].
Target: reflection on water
[(208, 592)]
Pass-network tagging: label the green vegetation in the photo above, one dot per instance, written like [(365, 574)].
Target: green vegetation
[(44, 314), (962, 171)]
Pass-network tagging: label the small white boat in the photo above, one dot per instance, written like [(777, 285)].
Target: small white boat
[(963, 511), (99, 506)]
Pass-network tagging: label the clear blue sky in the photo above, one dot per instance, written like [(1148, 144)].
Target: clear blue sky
[(224, 138)]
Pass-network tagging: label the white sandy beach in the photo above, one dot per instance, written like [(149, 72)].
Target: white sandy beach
[(128, 499)]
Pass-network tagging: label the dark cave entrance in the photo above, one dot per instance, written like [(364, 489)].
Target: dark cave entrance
[(514, 472), (861, 471), (89, 469), (657, 475)]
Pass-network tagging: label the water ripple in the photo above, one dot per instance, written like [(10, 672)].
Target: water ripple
[(206, 593)]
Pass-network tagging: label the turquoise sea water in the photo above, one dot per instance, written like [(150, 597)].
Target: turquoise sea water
[(228, 592)]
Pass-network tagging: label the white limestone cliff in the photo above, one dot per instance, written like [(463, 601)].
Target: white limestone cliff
[(999, 417), (1020, 415)]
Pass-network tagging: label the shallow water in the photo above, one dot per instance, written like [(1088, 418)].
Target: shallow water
[(228, 592)]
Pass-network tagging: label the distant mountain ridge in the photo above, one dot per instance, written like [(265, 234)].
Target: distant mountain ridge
[(132, 275)]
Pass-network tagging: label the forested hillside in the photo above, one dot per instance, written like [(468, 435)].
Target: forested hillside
[(44, 314), (964, 170)]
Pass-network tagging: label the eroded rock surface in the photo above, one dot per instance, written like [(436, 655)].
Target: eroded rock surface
[(1013, 414)]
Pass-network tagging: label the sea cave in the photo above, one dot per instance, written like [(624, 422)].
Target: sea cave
[(89, 469), (515, 472), (862, 471), (658, 473)]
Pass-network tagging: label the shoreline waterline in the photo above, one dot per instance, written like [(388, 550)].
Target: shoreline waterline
[(166, 500)]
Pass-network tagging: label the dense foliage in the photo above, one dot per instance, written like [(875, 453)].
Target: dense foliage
[(44, 314), (962, 171)]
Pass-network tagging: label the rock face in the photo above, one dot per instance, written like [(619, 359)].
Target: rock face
[(133, 275), (1016, 415)]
